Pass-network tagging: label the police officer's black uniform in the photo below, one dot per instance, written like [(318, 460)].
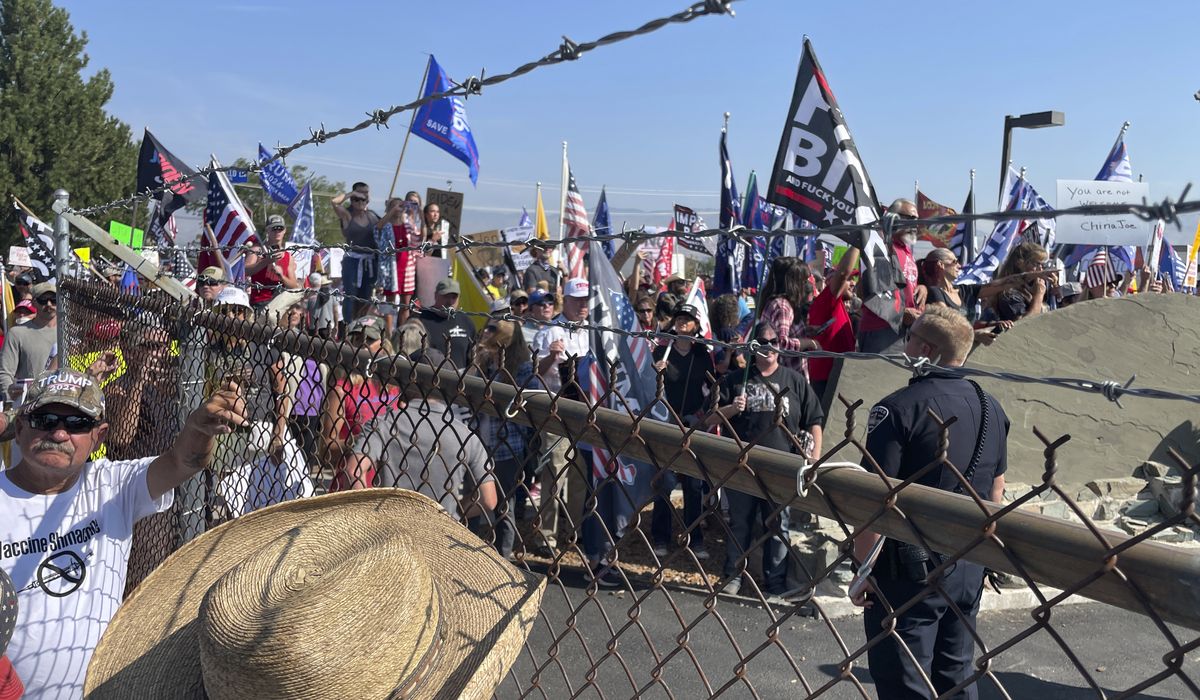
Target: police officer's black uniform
[(903, 439)]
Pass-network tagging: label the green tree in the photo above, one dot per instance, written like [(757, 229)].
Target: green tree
[(54, 131), (323, 189)]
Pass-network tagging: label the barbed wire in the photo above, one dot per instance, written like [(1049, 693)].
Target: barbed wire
[(1167, 211), (918, 366), (568, 50)]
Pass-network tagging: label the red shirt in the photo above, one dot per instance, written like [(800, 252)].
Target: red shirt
[(265, 284), (10, 686), (838, 337), (872, 322)]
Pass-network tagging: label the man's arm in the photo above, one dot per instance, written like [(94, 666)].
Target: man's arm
[(9, 357), (815, 431), (342, 214), (193, 449), (997, 495), (260, 259)]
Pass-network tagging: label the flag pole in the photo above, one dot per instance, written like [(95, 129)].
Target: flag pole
[(971, 239), (411, 120), (562, 205)]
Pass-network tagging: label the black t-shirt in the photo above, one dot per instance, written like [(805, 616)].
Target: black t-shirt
[(540, 272), (453, 337), (785, 393), (939, 296), (903, 439), (686, 378)]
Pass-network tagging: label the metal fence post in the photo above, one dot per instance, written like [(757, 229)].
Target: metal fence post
[(62, 253)]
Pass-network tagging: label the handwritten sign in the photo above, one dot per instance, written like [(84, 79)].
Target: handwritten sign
[(1121, 229), (517, 235), (19, 256), (450, 204)]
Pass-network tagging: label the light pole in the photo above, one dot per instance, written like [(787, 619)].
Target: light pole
[(1034, 120)]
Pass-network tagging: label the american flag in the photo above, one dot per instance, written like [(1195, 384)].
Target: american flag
[(227, 217), (39, 238), (1099, 271), (575, 221)]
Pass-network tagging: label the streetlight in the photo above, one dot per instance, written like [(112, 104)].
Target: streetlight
[(1034, 120)]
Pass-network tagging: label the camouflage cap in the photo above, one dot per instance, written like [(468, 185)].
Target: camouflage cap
[(66, 387)]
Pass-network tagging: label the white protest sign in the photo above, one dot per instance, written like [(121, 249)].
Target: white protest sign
[(517, 235), (335, 263), (19, 255), (1121, 229)]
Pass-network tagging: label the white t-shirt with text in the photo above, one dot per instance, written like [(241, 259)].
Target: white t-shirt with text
[(67, 554)]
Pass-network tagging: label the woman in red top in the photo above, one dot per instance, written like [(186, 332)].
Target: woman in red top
[(352, 402), (273, 269), (829, 322)]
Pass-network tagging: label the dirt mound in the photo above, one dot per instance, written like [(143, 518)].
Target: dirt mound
[(1153, 336)]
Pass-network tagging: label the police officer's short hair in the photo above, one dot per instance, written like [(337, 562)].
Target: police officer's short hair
[(949, 330)]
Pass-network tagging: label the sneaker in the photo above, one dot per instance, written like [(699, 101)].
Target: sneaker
[(732, 587), (660, 550), (700, 551), (606, 576)]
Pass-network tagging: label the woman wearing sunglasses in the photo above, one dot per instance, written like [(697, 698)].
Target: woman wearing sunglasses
[(359, 271)]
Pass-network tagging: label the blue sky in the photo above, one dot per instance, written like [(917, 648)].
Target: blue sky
[(924, 90)]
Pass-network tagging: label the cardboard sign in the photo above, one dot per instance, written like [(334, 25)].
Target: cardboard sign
[(451, 205), (335, 263), (19, 255), (517, 235), (1125, 229), (126, 235), (484, 257)]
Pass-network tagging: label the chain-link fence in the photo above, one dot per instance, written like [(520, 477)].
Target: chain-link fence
[(683, 559)]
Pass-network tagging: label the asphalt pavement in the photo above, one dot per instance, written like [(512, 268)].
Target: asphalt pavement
[(792, 656)]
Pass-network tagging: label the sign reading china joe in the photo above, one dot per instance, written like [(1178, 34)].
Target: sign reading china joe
[(1123, 229)]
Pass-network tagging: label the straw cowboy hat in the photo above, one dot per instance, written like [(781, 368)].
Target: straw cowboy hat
[(374, 593)]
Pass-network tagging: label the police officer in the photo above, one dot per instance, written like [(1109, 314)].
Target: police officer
[(904, 439)]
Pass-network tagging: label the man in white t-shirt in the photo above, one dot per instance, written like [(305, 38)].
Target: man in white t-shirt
[(66, 523), (554, 346)]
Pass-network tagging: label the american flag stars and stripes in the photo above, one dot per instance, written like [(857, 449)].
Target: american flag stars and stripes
[(1099, 271), (228, 219), (575, 223)]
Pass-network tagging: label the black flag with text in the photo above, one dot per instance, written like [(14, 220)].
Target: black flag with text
[(819, 177)]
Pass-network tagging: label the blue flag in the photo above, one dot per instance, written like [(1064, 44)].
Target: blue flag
[(730, 255), (754, 217), (129, 281), (601, 224), (444, 122), (1171, 266), (304, 230), (275, 179), (525, 220), (1004, 237), (1116, 168)]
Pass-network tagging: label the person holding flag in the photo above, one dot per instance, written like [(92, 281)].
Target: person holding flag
[(687, 370)]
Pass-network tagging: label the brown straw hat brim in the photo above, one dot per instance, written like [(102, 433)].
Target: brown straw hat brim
[(152, 647)]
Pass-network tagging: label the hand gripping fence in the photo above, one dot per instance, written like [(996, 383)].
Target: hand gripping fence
[(327, 414)]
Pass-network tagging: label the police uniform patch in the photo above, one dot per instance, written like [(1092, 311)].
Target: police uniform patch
[(879, 413)]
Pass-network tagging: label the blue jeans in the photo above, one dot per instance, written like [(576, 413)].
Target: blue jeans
[(744, 511), (357, 289), (693, 504)]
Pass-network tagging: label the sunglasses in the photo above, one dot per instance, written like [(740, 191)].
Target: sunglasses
[(277, 228), (48, 422), (519, 302), (45, 301), (358, 199), (207, 282), (645, 311)]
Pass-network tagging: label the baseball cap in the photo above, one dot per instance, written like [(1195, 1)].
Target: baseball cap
[(448, 286), (685, 309), (316, 279), (673, 277), (44, 288), (232, 296), (23, 279), (275, 220), (541, 296), (370, 326), (517, 294), (67, 387), (213, 272), (576, 287), (26, 306), (499, 305)]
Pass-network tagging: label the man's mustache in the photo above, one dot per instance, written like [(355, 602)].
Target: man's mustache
[(63, 447)]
